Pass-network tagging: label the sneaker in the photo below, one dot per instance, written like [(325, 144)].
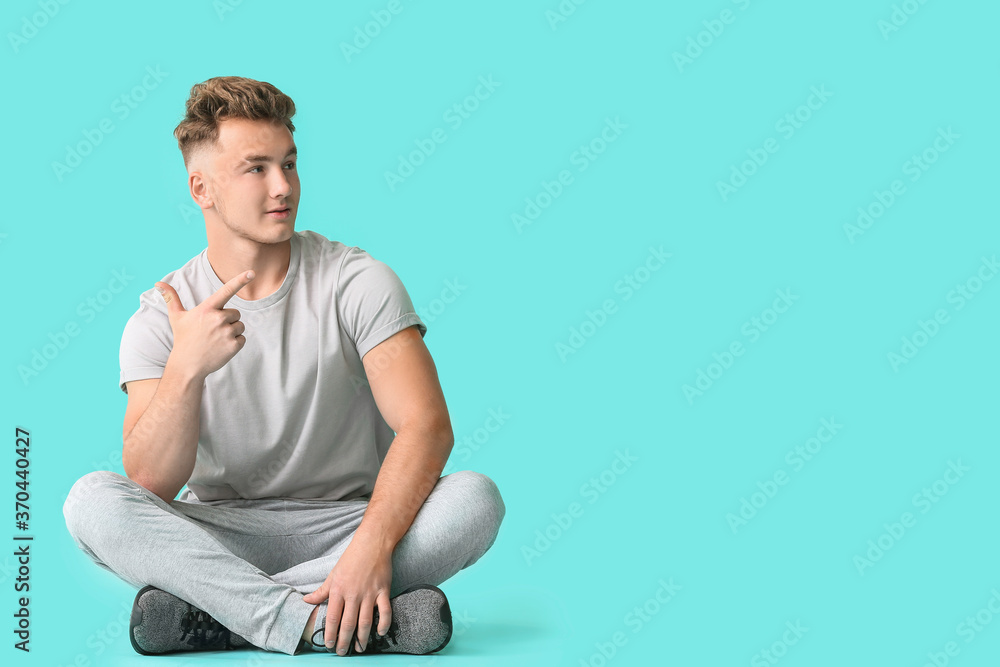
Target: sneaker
[(164, 623), (421, 624)]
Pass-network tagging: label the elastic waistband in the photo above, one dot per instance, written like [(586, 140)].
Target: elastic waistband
[(278, 504)]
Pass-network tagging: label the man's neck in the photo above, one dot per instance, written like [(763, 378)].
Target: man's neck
[(269, 262)]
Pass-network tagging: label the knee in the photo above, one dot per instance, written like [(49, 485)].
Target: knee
[(483, 502), (89, 497)]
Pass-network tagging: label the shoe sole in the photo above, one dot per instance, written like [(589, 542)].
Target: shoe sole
[(444, 612), (136, 619)]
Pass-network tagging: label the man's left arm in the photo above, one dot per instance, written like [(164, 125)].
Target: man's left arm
[(406, 388)]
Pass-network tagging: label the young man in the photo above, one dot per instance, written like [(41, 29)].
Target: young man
[(270, 374)]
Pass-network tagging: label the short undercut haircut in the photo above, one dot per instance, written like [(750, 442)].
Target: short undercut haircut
[(224, 97)]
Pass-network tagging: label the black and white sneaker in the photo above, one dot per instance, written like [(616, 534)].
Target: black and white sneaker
[(421, 624), (164, 623)]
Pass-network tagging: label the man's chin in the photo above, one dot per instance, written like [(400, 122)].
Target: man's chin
[(287, 231), (276, 232), (284, 227)]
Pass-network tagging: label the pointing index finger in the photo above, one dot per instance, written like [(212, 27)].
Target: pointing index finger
[(228, 291)]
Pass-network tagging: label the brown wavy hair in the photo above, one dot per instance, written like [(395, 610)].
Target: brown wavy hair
[(225, 97)]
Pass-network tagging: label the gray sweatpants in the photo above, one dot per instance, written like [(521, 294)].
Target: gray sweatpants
[(248, 563)]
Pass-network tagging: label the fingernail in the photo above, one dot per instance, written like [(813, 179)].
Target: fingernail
[(341, 651), (159, 289), (249, 275)]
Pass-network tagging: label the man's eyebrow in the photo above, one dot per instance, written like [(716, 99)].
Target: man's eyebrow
[(267, 158)]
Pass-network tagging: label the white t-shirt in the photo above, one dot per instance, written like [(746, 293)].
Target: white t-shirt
[(291, 415)]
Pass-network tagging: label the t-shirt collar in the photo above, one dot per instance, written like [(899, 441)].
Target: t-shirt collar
[(257, 304)]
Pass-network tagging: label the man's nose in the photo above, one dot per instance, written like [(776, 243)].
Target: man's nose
[(281, 187)]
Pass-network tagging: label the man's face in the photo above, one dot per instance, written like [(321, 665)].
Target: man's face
[(246, 177)]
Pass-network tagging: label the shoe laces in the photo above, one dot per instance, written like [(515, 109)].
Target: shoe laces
[(376, 643), (200, 630), (381, 643)]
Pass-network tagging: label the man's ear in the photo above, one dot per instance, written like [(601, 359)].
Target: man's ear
[(200, 192), (201, 177)]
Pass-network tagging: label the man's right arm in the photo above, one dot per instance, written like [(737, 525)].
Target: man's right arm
[(160, 434), (163, 416)]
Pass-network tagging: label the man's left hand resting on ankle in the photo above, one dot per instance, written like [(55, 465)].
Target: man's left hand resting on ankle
[(358, 582)]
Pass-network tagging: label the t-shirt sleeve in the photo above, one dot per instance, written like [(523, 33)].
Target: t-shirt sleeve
[(372, 302), (146, 344)]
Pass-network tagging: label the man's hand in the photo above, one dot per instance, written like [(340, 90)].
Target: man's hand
[(209, 335), (360, 580)]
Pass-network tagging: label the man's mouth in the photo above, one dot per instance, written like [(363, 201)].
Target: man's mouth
[(280, 212)]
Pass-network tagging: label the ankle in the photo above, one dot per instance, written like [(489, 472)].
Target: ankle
[(310, 624)]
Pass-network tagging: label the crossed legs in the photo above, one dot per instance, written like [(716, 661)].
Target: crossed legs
[(249, 563)]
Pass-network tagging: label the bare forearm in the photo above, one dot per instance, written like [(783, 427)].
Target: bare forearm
[(160, 451), (410, 470)]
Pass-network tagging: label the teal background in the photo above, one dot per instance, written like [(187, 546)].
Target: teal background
[(126, 207)]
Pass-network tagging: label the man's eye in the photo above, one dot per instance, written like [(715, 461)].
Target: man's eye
[(291, 165), (252, 168)]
